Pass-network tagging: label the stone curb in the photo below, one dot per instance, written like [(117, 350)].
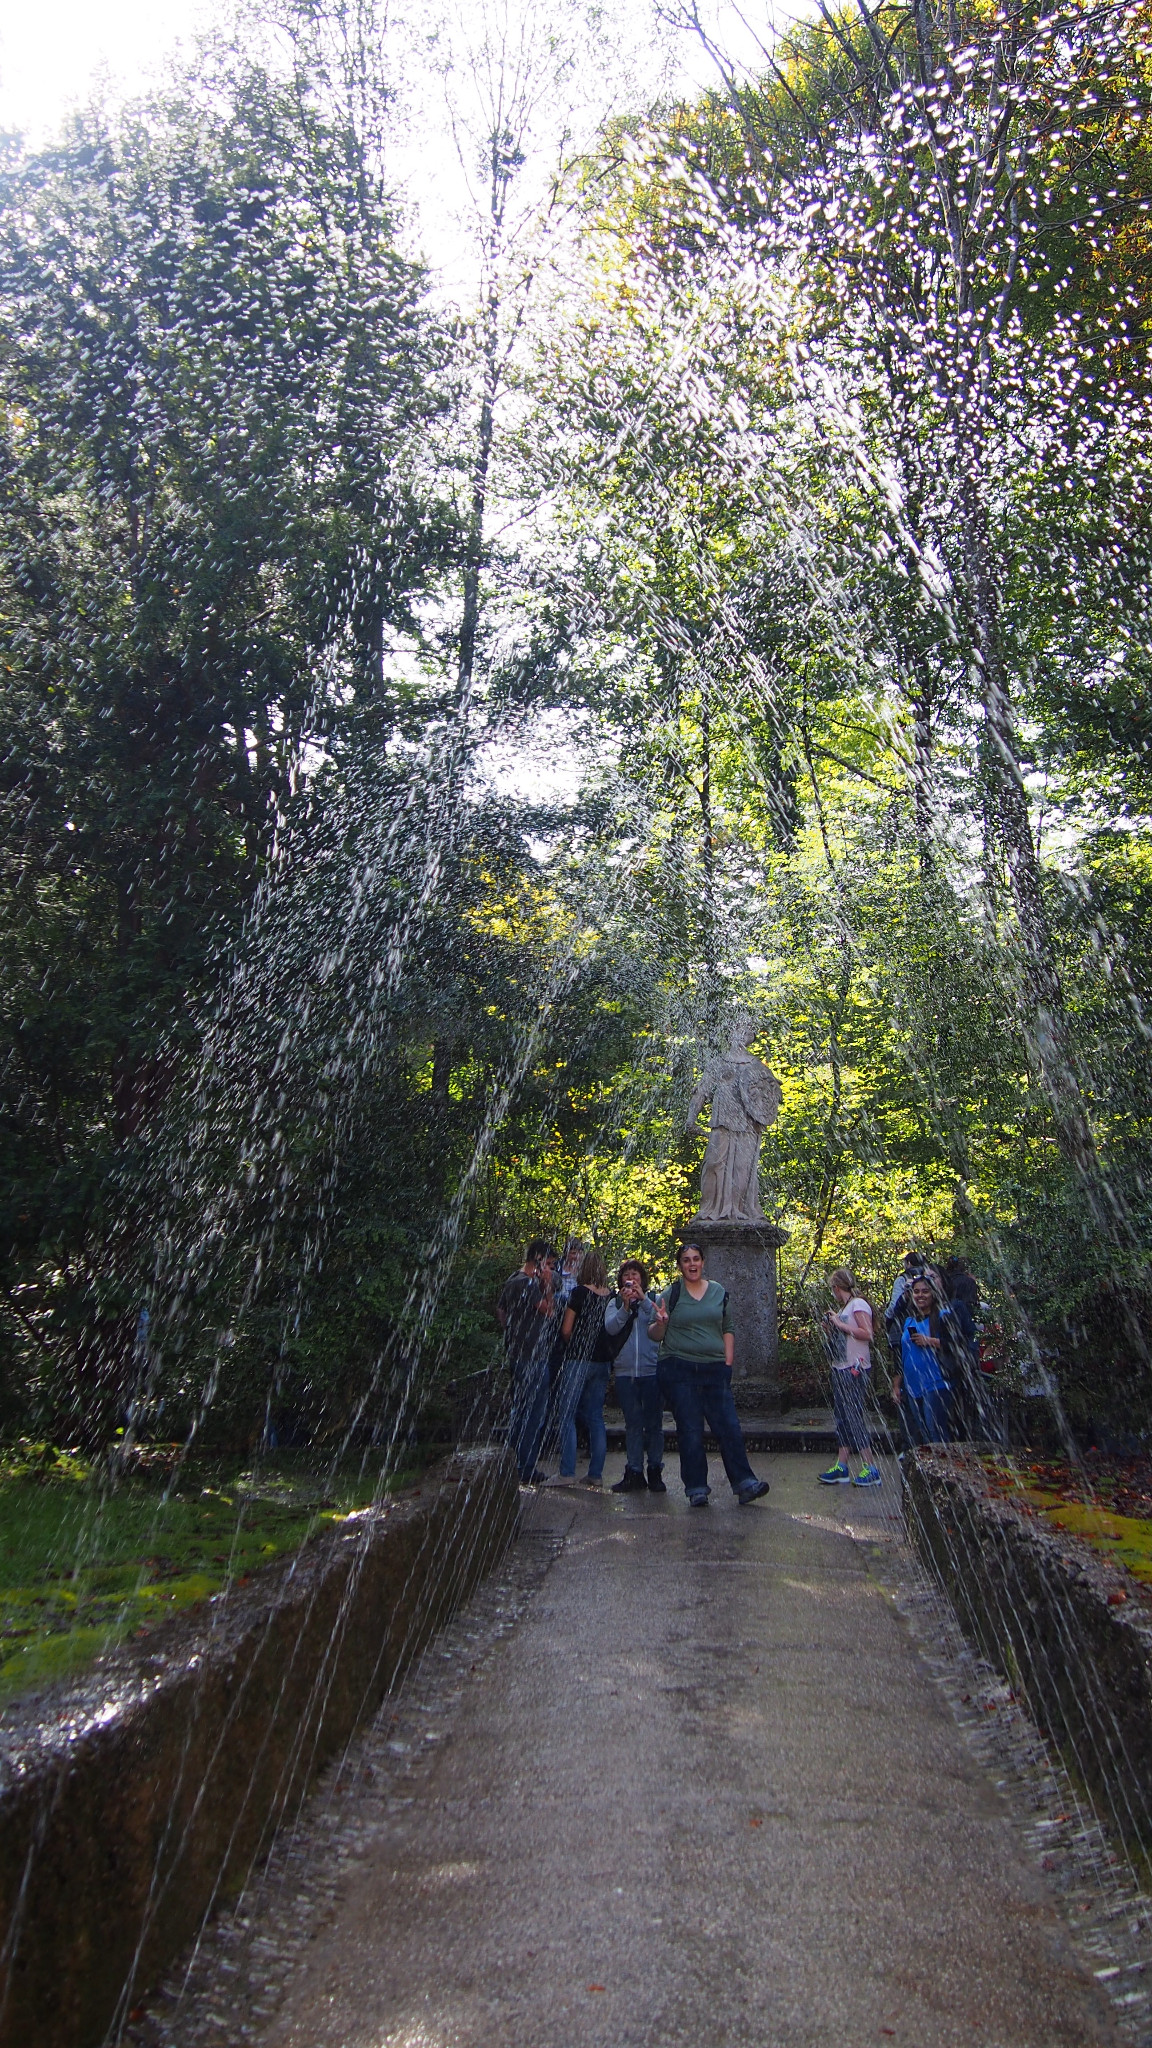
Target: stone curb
[(1069, 1631), (132, 1800)]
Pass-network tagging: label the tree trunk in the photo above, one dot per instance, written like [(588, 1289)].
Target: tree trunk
[(1043, 1013), (922, 708)]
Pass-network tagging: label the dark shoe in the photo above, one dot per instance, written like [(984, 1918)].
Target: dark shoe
[(539, 1477), (632, 1481), (753, 1489), (655, 1480)]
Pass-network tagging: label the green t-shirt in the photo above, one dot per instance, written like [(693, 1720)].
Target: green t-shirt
[(696, 1329)]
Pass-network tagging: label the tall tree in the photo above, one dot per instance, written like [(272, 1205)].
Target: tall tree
[(218, 376)]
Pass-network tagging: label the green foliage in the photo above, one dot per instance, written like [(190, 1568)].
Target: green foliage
[(841, 427), (218, 374)]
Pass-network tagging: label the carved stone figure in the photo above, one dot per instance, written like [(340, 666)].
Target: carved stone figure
[(745, 1098)]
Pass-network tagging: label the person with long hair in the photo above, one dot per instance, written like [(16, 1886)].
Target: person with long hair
[(920, 1388), (693, 1327), (584, 1373), (848, 1330)]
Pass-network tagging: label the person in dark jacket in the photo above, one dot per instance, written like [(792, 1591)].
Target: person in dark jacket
[(635, 1358), (524, 1313), (959, 1285), (972, 1419)]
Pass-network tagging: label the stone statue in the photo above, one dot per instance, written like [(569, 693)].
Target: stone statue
[(745, 1099)]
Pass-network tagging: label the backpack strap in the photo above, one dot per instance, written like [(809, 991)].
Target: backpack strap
[(674, 1295)]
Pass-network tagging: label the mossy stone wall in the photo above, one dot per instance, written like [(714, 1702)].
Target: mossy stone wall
[(1068, 1630), (134, 1799)]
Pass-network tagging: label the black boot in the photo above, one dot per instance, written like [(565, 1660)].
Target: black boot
[(631, 1482), (656, 1479)]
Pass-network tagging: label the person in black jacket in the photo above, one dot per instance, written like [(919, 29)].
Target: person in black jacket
[(524, 1313)]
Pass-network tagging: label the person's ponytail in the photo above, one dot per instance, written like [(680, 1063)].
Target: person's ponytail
[(844, 1277)]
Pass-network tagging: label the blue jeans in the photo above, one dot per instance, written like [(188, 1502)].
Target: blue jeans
[(582, 1389), (699, 1396), (529, 1411), (567, 1388), (924, 1417), (643, 1406)]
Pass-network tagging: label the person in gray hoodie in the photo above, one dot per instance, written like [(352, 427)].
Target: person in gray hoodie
[(626, 1321)]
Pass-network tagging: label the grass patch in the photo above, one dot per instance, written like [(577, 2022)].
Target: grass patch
[(82, 1567)]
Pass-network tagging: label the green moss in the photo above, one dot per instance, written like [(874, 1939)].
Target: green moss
[(1124, 1539), (82, 1567)]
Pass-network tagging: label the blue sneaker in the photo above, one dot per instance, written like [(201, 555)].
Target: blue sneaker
[(868, 1476), (752, 1489), (698, 1498), (836, 1475)]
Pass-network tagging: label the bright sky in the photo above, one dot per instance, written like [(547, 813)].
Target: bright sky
[(52, 51)]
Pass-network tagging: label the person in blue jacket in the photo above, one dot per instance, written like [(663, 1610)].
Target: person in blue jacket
[(920, 1387)]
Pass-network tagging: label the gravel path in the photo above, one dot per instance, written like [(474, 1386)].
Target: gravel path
[(682, 1776)]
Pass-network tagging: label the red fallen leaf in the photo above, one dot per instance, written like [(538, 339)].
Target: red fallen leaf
[(595, 1987), (1117, 1598), (889, 2030), (755, 1821), (138, 2012)]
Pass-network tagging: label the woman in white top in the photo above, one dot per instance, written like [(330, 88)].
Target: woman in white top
[(849, 1327)]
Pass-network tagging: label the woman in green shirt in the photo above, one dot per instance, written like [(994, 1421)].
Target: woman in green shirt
[(694, 1331)]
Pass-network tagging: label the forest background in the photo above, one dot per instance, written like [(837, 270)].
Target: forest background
[(426, 723)]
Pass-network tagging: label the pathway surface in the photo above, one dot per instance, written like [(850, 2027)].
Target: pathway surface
[(702, 1790)]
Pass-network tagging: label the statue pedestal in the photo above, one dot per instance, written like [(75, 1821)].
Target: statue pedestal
[(742, 1257)]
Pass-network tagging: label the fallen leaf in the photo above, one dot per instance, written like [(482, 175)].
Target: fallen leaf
[(595, 1987)]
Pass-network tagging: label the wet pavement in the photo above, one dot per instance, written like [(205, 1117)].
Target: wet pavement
[(679, 1776)]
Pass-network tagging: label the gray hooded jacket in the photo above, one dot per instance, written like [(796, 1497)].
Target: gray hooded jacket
[(637, 1359)]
